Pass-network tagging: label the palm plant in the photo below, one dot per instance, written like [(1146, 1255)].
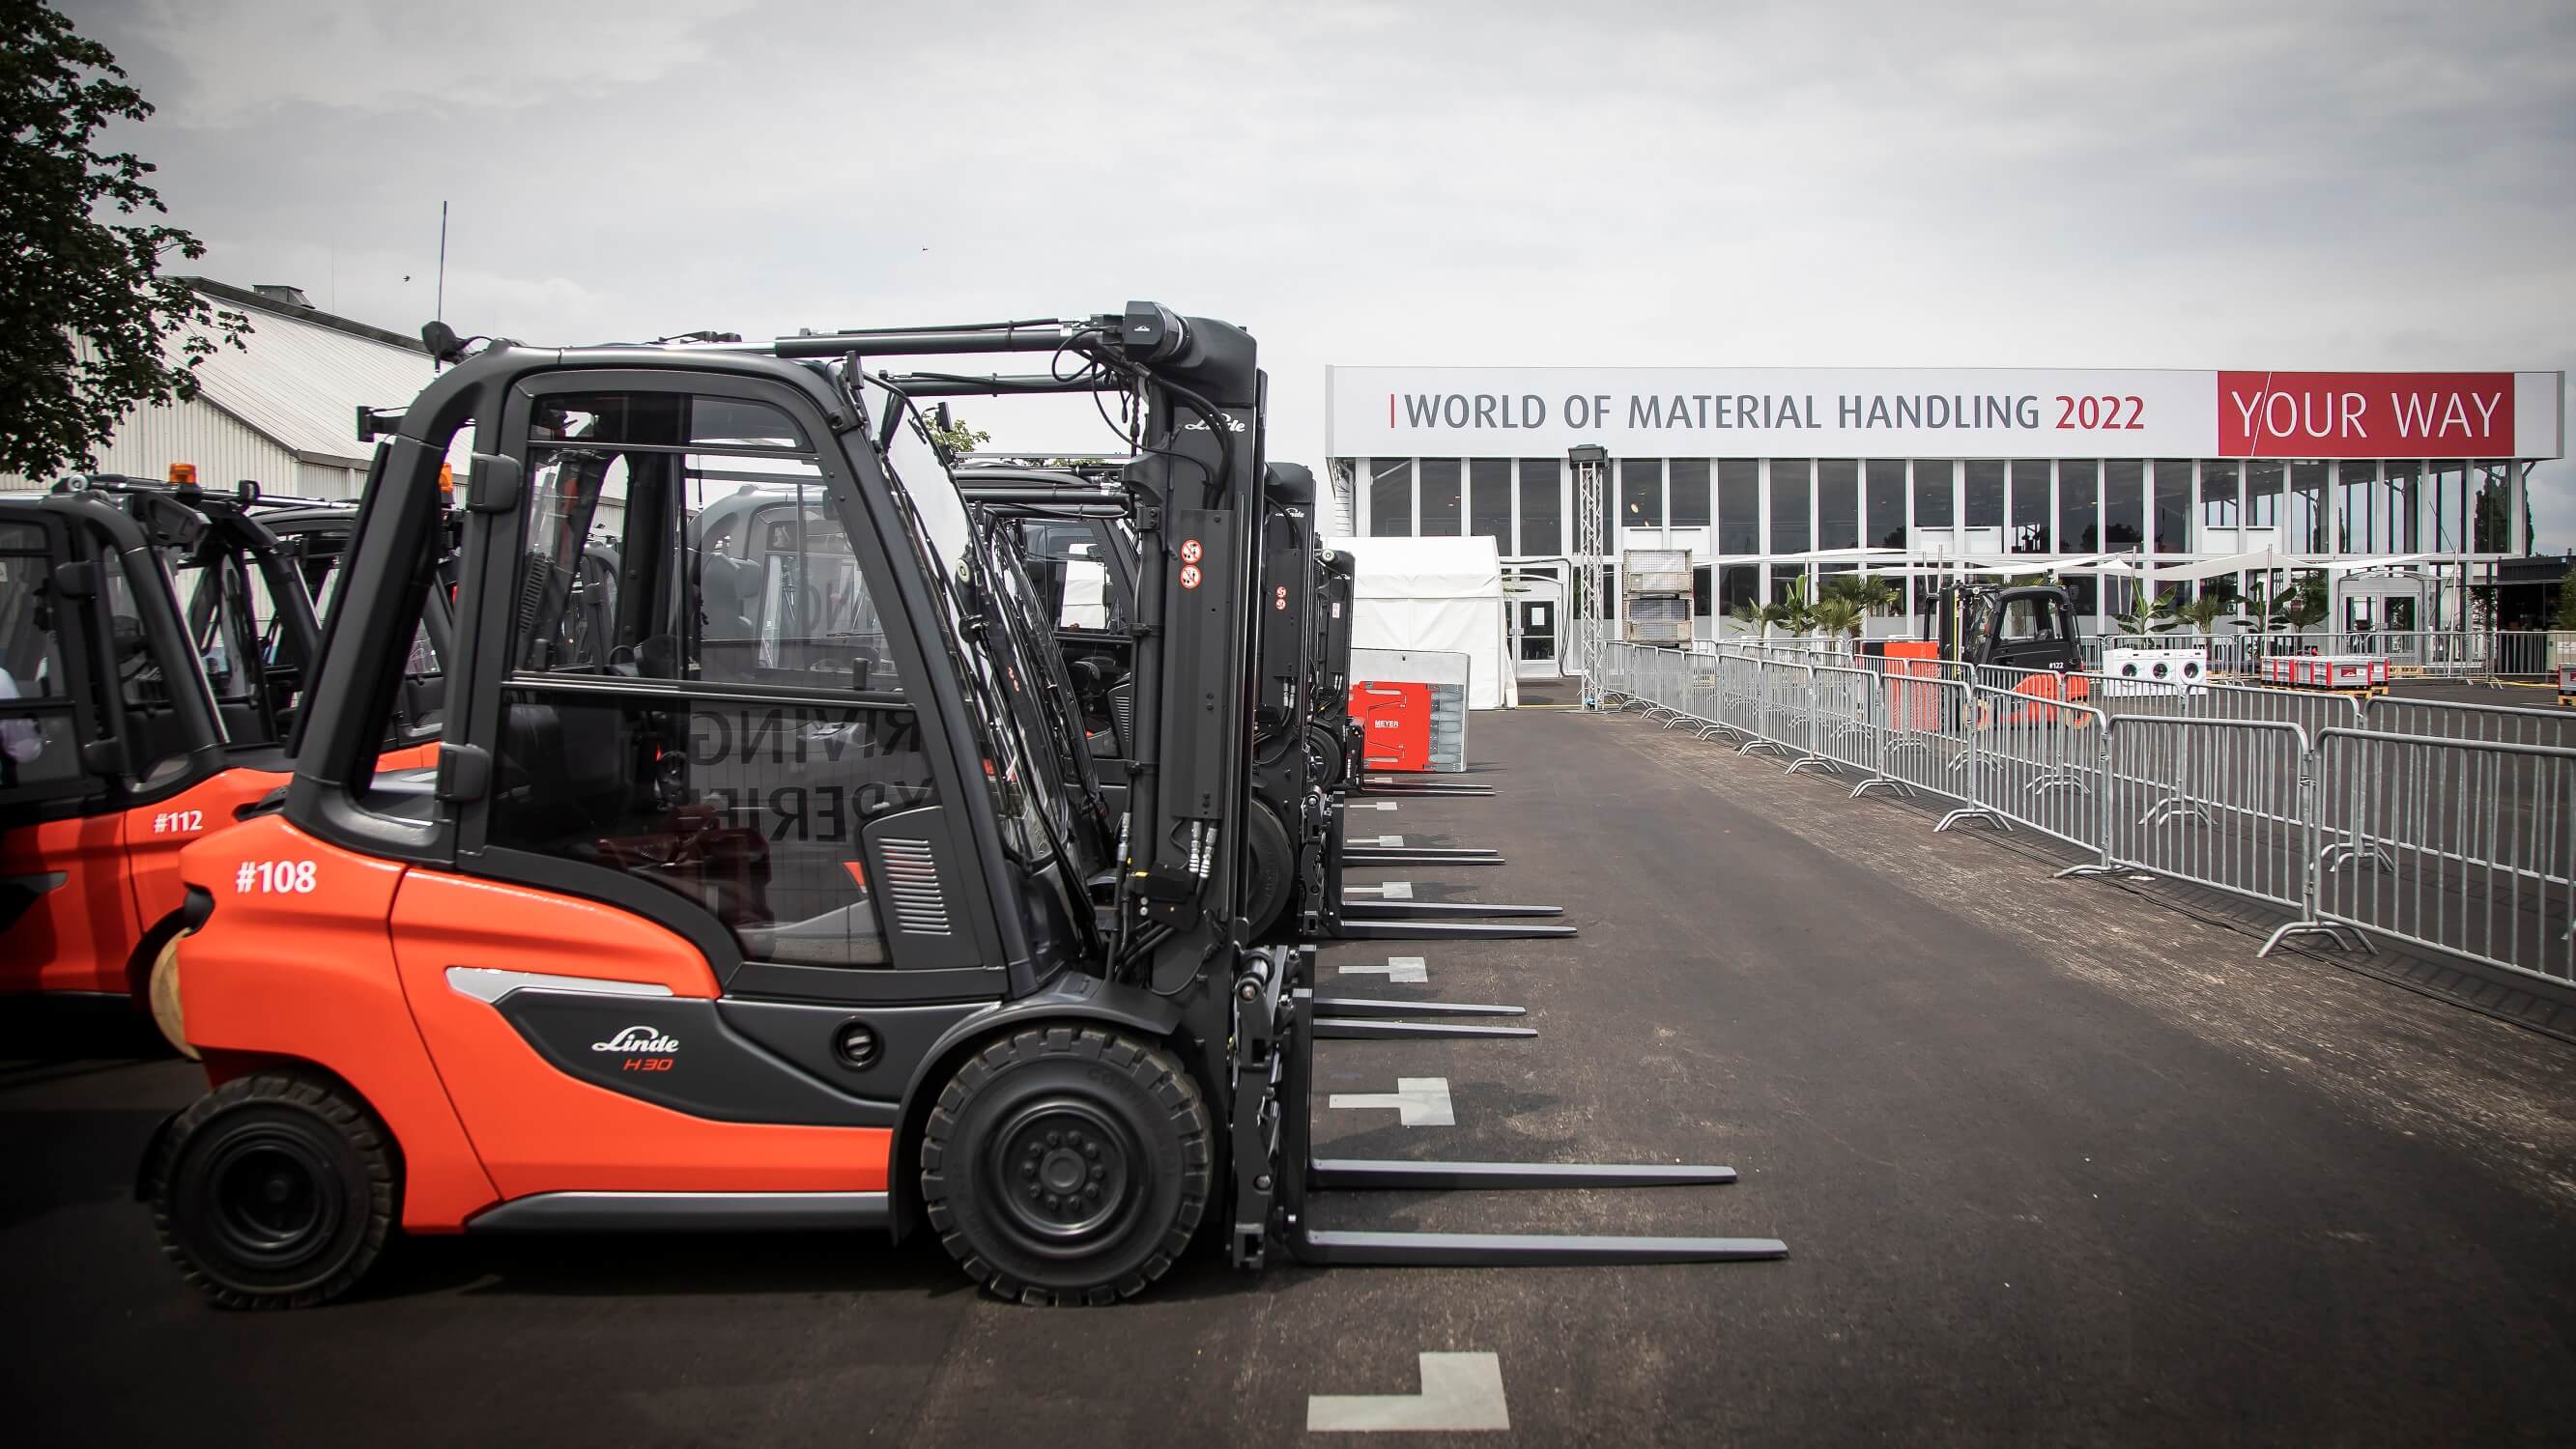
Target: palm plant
[(1754, 617), (1837, 614), (1794, 612), (2144, 616), (1872, 593), (2204, 613)]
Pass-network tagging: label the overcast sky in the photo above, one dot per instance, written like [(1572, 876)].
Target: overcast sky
[(2287, 185)]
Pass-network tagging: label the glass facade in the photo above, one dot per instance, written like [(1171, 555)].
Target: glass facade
[(1489, 501), (1542, 507), (1687, 482), (1838, 503), (1884, 524), (1443, 503), (1739, 506), (1641, 494), (1745, 518)]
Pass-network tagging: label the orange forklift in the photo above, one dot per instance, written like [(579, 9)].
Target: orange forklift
[(757, 904), (154, 641)]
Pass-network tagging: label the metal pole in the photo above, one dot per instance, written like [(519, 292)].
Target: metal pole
[(1591, 464)]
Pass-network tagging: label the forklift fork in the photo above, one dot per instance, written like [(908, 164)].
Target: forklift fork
[(1275, 1166)]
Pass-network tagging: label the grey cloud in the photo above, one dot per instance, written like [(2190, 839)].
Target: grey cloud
[(2189, 184)]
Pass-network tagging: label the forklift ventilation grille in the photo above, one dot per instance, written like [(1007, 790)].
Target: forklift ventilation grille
[(912, 888)]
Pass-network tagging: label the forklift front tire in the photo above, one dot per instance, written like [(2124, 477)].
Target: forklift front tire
[(1067, 1165), (1324, 756), (276, 1190)]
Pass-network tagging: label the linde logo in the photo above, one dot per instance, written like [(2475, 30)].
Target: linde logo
[(638, 1039), (1232, 425)]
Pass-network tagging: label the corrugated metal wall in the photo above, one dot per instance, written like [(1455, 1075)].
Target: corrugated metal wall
[(196, 432)]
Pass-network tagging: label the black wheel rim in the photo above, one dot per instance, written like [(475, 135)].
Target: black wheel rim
[(274, 1199), (1067, 1170)]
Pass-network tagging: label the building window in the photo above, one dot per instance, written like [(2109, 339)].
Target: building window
[(1703, 591), (2356, 519), (2218, 485), (2400, 500), (1932, 487), (2491, 508), (1489, 501), (2079, 505), (2173, 505), (2263, 495), (1443, 480), (1792, 489), (2306, 532), (1542, 509), (1739, 506), (1884, 525), (2029, 507), (1689, 483), (1985, 494), (1641, 495), (1737, 586), (2124, 492), (1838, 503), (1390, 497)]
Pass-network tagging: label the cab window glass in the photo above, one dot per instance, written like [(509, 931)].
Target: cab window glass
[(683, 555), (37, 744)]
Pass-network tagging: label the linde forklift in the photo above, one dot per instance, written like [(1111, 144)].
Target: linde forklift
[(156, 638), (1304, 740), (2018, 637), (539, 998)]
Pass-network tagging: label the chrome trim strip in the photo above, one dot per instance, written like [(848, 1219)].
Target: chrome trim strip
[(667, 1211), (490, 984)]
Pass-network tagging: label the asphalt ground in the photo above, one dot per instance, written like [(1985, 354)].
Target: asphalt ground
[(2056, 1166)]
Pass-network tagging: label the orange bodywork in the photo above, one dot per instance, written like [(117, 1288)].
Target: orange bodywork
[(120, 879), (351, 975), (540, 1130), (2046, 687), (308, 974)]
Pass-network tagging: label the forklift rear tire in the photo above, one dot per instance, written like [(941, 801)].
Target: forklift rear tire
[(1271, 867), (1067, 1165), (276, 1190)]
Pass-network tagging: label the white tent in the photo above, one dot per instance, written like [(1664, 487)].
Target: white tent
[(1435, 593)]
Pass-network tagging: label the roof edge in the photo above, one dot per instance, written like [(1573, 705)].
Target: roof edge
[(245, 297)]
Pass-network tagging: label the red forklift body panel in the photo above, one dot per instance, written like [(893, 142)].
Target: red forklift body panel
[(295, 963), (538, 1129)]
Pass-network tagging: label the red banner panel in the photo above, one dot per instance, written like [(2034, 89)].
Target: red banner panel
[(2365, 414)]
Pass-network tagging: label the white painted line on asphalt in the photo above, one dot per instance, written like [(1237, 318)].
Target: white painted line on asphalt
[(1416, 1101), (1394, 890), (1371, 805), (1459, 1391), (1409, 969)]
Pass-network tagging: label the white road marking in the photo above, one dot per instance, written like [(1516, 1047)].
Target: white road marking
[(1459, 1391), (1409, 969), (1392, 841), (1416, 1101), (1394, 890), (1370, 805)]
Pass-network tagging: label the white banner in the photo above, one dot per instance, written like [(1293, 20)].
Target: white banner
[(1647, 412)]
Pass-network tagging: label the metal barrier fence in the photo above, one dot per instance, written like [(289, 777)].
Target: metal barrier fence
[(2513, 652), (2448, 826)]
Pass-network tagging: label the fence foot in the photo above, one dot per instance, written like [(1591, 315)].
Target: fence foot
[(2089, 868), (2336, 857), (2057, 779), (1819, 761), (1896, 785), (1966, 813), (2345, 938), (2175, 808), (1752, 743)]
